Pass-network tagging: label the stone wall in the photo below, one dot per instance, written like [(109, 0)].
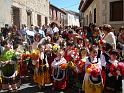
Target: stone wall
[(40, 7), (87, 12), (102, 13), (5, 10)]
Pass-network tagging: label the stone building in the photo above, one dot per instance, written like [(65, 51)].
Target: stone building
[(5, 10), (27, 12), (72, 18), (102, 12), (57, 16)]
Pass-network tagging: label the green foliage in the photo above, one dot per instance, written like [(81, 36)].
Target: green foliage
[(8, 55)]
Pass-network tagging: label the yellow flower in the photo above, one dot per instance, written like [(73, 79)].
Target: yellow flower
[(36, 51)]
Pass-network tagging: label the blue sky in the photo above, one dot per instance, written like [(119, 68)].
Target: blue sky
[(67, 4)]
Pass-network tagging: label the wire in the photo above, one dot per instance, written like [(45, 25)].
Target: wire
[(71, 5)]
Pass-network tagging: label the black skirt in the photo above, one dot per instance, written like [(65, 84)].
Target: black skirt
[(13, 80)]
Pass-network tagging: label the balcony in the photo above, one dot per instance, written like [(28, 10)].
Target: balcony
[(86, 4)]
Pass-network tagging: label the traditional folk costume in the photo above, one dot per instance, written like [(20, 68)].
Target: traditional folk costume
[(50, 58), (113, 82), (9, 68), (80, 70), (41, 73), (92, 79), (104, 60), (59, 73), (72, 56)]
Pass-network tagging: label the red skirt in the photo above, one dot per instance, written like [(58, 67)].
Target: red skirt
[(23, 69), (60, 84)]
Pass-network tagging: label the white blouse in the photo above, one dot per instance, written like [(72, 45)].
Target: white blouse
[(111, 39), (93, 60), (58, 62)]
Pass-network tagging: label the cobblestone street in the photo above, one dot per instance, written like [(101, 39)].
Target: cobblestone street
[(29, 87)]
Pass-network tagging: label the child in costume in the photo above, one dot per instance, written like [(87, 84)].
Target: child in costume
[(105, 57), (9, 68), (80, 68), (69, 56), (59, 66), (87, 45), (112, 80), (92, 79)]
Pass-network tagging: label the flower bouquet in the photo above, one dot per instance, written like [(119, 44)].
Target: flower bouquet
[(81, 64), (35, 54), (120, 68), (95, 78), (94, 70), (64, 66), (9, 55), (113, 70)]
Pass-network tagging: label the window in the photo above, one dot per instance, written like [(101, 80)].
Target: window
[(56, 15), (38, 20), (95, 15), (16, 16), (90, 17), (60, 18), (52, 13), (29, 18), (116, 11), (87, 19), (46, 20)]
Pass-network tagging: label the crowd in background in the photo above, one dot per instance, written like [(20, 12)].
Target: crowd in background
[(89, 58)]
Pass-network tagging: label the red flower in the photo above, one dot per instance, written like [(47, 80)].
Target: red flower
[(94, 70), (81, 65), (25, 56), (113, 70), (120, 67), (95, 73)]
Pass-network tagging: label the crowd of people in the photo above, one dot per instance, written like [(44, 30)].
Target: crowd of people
[(89, 58)]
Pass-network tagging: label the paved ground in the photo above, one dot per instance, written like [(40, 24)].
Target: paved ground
[(29, 87)]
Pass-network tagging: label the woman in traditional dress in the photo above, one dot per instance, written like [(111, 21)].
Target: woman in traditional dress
[(37, 39), (59, 66), (41, 75)]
